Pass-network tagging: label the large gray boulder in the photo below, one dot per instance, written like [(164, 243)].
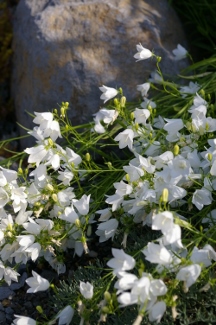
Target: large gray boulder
[(65, 49)]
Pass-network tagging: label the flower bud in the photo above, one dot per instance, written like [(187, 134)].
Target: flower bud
[(132, 115), (176, 150), (123, 101), (202, 93), (107, 296), (127, 177), (20, 171), (209, 156), (120, 91), (88, 157), (116, 102), (40, 309), (55, 111), (49, 187), (136, 126), (62, 111), (50, 141), (158, 59), (105, 310), (109, 165), (77, 223), (165, 195), (55, 197)]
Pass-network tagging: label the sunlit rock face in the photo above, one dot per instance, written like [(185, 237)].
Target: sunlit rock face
[(64, 50)]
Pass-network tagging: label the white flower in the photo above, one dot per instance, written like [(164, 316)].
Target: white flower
[(115, 200), (69, 215), (37, 283), (108, 93), (105, 214), (155, 78), (23, 320), (142, 53), (10, 275), (65, 316), (156, 312), (125, 138), (141, 115), (121, 261), (82, 204), (126, 282), (155, 253), (144, 88), (36, 154), (122, 188), (146, 103), (107, 230), (191, 89), (86, 289), (189, 274), (4, 197), (180, 52), (162, 221), (65, 176), (201, 256), (158, 288), (173, 125), (201, 197)]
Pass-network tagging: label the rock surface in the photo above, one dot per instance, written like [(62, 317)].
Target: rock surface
[(65, 49)]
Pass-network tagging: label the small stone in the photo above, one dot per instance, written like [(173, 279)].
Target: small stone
[(2, 318), (9, 310), (5, 292)]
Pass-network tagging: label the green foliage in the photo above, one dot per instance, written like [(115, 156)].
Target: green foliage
[(198, 18)]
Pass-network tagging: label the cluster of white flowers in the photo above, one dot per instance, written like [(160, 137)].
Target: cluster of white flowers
[(170, 168)]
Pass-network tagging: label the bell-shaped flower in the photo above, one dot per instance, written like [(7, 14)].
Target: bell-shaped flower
[(162, 221), (10, 275), (33, 251), (69, 215), (147, 103), (189, 274), (155, 253), (157, 311), (158, 288), (173, 125), (125, 138), (105, 214), (202, 197), (192, 88), (86, 289), (36, 154), (4, 197), (107, 230), (122, 188), (115, 200), (65, 316), (37, 283), (23, 320), (72, 157), (121, 261), (144, 88), (108, 93), (82, 205), (125, 282), (134, 172), (141, 115), (201, 256), (142, 53), (180, 53)]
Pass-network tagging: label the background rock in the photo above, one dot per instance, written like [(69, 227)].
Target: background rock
[(65, 49)]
